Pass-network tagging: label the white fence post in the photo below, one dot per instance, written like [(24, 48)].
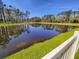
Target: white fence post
[(66, 50)]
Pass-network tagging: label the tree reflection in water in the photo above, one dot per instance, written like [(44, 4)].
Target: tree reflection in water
[(7, 33), (48, 27), (58, 28)]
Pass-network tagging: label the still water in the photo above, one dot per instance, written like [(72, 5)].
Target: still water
[(16, 38)]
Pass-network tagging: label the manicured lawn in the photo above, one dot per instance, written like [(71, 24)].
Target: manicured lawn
[(38, 50), (77, 55), (26, 23)]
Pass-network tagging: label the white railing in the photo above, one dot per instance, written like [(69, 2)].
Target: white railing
[(66, 50)]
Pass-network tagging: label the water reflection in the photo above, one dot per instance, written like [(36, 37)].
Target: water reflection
[(36, 25), (48, 27), (15, 38), (3, 35), (7, 33), (63, 28)]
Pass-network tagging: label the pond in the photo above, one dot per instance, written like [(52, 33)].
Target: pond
[(16, 38)]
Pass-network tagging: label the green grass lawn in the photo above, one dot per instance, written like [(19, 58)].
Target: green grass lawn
[(26, 23), (77, 55), (39, 50)]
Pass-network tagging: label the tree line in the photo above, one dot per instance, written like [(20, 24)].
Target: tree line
[(68, 16), (15, 15)]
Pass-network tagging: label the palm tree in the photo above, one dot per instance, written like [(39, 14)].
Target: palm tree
[(2, 12), (12, 13), (6, 13), (17, 14), (21, 16), (27, 13), (9, 14), (74, 13), (15, 11), (67, 14)]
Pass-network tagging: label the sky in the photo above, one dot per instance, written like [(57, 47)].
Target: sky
[(44, 7)]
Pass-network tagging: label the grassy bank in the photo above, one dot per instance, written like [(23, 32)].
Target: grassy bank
[(38, 50), (26, 23)]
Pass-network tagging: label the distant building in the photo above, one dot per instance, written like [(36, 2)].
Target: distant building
[(1, 11)]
